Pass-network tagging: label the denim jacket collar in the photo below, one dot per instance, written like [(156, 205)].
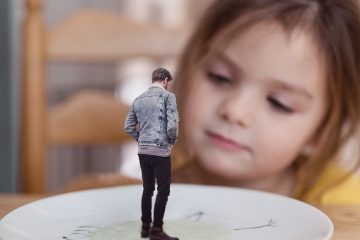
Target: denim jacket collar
[(156, 85)]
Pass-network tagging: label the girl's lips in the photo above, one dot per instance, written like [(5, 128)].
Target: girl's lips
[(226, 143)]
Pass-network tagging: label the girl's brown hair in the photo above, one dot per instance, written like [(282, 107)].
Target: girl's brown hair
[(335, 28)]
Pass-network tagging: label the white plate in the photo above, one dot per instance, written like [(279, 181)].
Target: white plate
[(193, 213)]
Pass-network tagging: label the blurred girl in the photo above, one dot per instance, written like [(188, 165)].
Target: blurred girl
[(268, 93)]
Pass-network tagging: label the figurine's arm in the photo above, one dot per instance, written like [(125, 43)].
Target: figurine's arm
[(172, 119), (131, 122)]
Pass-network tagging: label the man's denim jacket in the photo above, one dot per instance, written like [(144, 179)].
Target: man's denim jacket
[(153, 118)]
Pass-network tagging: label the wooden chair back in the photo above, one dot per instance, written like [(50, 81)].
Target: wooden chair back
[(90, 117)]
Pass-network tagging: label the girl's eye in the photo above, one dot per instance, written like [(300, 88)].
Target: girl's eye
[(279, 106), (218, 79)]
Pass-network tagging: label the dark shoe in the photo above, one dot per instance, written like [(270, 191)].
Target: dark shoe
[(145, 230), (157, 233)]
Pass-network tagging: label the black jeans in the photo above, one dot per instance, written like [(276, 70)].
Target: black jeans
[(159, 168)]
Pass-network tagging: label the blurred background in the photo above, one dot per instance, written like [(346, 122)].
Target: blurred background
[(68, 71)]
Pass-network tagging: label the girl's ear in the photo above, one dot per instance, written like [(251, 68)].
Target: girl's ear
[(308, 150)]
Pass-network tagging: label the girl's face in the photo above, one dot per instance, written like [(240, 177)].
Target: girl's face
[(255, 105)]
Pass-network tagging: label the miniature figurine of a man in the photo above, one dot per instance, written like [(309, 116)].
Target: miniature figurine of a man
[(153, 121)]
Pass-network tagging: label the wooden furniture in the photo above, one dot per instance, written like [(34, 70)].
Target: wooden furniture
[(9, 202), (345, 218), (90, 117)]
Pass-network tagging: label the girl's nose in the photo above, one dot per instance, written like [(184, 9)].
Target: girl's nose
[(238, 109)]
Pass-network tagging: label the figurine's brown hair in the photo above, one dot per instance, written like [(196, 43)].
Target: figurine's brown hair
[(160, 74)]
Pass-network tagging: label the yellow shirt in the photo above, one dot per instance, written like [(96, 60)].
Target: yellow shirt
[(347, 192)]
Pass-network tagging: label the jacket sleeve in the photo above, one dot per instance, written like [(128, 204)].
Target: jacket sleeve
[(131, 123), (172, 116)]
